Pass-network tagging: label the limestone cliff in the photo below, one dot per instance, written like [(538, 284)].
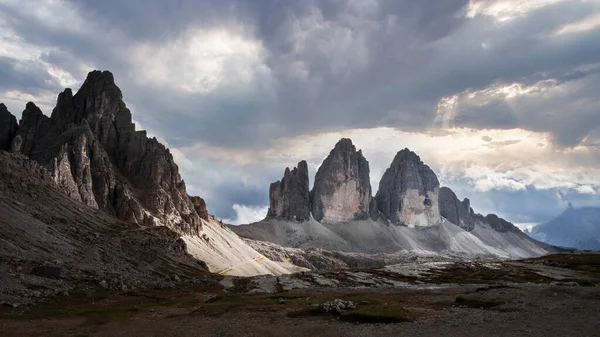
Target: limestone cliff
[(8, 127), (91, 148), (455, 211), (342, 189), (408, 192), (289, 197)]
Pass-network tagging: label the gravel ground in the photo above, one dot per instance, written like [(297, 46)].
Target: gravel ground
[(526, 310)]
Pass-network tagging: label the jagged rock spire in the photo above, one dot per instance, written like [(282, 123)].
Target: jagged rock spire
[(90, 146), (455, 211), (407, 192), (342, 188), (8, 127), (289, 197)]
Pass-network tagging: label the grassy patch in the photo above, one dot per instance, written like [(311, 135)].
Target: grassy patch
[(375, 307), (585, 262), (465, 273), (586, 283), (377, 314), (477, 303)]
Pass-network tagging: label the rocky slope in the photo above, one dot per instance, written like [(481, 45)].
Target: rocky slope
[(50, 243), (575, 227), (342, 189), (95, 156)]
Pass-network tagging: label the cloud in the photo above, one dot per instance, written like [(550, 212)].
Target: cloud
[(246, 215), (499, 96)]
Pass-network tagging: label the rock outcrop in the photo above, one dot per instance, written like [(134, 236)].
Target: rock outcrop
[(455, 211), (408, 192), (289, 198), (91, 148), (8, 128), (498, 224), (342, 189)]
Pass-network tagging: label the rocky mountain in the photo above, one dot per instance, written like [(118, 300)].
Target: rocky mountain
[(575, 227), (409, 213), (93, 153), (342, 189), (91, 147), (8, 127), (289, 198), (456, 211), (51, 243), (408, 192)]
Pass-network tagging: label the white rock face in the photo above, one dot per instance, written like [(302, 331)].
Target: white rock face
[(342, 189), (227, 254), (415, 213), (408, 192), (343, 204)]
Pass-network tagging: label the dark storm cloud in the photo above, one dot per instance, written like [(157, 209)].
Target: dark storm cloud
[(25, 76), (330, 65), (415, 53)]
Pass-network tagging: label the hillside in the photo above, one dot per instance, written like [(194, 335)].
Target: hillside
[(92, 153)]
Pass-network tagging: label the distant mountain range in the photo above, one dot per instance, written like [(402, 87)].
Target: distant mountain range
[(410, 212), (575, 227)]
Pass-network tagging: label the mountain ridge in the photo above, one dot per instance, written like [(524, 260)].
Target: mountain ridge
[(93, 153), (410, 212), (574, 227)]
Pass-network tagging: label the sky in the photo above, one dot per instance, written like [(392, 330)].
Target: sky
[(500, 97)]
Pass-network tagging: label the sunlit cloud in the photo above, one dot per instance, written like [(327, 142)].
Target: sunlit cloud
[(505, 10), (588, 23), (246, 215)]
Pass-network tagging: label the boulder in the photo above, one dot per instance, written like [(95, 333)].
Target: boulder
[(337, 306)]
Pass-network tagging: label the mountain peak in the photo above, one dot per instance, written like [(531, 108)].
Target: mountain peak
[(344, 144), (91, 147), (408, 191), (289, 197), (8, 127), (342, 188)]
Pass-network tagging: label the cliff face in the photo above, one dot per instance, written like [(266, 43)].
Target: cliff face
[(8, 127), (96, 156), (455, 211), (289, 198), (408, 192), (342, 189)]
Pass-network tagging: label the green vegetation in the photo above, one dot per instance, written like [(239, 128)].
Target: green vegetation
[(477, 303)]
